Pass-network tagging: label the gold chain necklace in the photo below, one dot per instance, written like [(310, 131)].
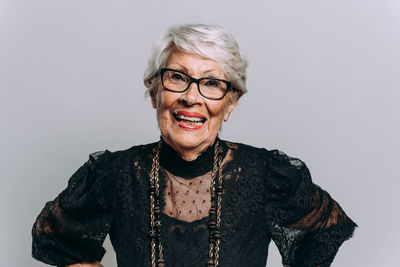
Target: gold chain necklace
[(215, 210)]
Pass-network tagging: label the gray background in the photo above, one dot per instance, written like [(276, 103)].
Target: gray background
[(323, 86)]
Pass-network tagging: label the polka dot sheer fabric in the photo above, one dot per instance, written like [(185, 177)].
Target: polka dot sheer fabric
[(187, 200)]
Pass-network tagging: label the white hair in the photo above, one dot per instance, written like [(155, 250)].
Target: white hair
[(209, 41)]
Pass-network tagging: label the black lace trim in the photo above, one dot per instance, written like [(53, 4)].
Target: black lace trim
[(172, 162)]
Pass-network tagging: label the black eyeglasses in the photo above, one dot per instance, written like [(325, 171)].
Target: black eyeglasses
[(178, 81)]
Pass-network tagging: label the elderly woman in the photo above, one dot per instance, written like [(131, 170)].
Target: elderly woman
[(192, 199)]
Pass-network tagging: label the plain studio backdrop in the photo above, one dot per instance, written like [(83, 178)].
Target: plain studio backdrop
[(323, 85)]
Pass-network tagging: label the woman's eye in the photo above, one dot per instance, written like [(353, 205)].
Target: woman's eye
[(212, 83), (177, 76)]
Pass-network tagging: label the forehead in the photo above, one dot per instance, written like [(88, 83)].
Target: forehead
[(193, 64)]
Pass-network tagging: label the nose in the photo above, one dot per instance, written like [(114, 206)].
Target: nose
[(191, 96)]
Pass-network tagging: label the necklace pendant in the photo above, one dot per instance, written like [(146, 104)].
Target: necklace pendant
[(160, 262)]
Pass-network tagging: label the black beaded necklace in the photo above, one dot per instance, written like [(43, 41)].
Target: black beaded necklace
[(215, 210)]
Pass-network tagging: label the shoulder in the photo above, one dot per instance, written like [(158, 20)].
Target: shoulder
[(244, 149), (283, 175), (273, 157), (96, 178), (106, 157)]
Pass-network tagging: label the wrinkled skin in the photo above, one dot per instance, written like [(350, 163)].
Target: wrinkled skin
[(189, 143)]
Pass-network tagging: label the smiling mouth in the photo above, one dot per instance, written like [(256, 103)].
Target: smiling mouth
[(189, 120)]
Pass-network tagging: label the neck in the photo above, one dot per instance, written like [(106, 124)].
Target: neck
[(190, 154), (187, 165)]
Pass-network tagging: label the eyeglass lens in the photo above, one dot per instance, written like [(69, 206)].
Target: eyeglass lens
[(179, 82)]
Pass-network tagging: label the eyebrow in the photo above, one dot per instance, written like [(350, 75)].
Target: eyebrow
[(212, 72)]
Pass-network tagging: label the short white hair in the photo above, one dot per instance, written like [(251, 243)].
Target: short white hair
[(209, 41)]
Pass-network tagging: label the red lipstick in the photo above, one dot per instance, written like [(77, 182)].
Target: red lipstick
[(190, 114), (189, 120)]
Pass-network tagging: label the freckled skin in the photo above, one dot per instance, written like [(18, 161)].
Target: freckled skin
[(190, 143)]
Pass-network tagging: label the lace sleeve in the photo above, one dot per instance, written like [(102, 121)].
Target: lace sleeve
[(306, 224), (72, 228)]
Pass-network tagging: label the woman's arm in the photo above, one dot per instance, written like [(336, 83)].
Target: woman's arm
[(72, 227), (86, 264), (306, 224)]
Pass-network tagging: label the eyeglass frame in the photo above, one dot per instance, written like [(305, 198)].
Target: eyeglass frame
[(196, 81)]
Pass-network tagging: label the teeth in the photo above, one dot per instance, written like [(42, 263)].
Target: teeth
[(193, 123), (193, 119)]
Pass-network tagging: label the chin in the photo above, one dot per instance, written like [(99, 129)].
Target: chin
[(188, 140), (185, 140)]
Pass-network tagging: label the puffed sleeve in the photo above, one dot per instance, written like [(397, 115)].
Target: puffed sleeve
[(72, 227), (305, 223)]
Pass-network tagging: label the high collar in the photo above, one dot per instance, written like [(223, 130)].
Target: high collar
[(172, 161)]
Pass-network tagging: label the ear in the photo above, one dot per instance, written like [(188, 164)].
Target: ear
[(230, 108), (153, 98)]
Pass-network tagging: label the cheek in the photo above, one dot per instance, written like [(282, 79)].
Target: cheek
[(164, 107), (166, 99), (217, 112)]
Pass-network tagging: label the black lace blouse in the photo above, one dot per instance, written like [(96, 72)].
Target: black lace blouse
[(267, 195)]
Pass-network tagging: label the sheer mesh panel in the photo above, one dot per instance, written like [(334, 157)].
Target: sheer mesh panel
[(189, 199)]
